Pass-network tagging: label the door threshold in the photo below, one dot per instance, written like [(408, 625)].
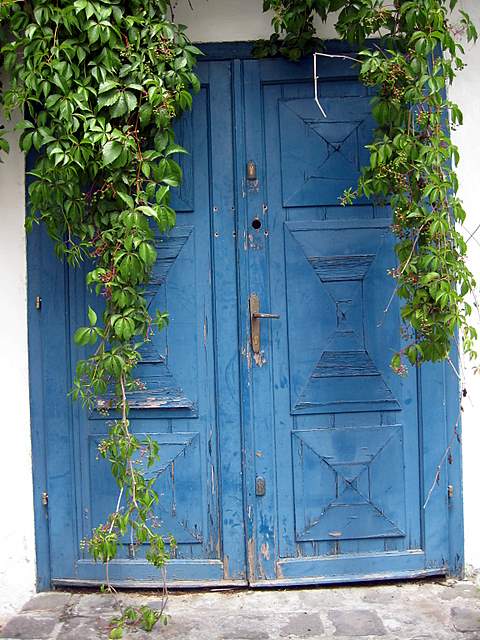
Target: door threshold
[(141, 585), (346, 580), (190, 585)]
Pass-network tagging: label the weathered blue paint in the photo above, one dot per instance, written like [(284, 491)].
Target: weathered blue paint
[(347, 449)]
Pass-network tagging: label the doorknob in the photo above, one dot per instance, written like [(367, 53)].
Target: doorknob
[(255, 317)]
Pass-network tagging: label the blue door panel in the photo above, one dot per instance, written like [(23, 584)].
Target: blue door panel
[(320, 153), (183, 383), (339, 442), (175, 366), (349, 483), (309, 460), (336, 361)]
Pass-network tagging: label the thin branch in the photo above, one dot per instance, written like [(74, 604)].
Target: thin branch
[(117, 510), (407, 262), (445, 456), (337, 55)]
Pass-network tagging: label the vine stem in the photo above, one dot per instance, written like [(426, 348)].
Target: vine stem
[(337, 55), (407, 262), (117, 510), (455, 436)]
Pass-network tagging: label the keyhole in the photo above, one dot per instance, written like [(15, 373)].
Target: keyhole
[(256, 224)]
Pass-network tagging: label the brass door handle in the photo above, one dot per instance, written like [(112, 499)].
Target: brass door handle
[(266, 316), (255, 317)]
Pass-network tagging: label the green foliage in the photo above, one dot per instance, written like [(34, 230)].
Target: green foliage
[(100, 82), (294, 30), (137, 617), (412, 158)]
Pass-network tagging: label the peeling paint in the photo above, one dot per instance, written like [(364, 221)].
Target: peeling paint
[(253, 242), (212, 471), (226, 567), (251, 556), (265, 551), (248, 354), (260, 359)]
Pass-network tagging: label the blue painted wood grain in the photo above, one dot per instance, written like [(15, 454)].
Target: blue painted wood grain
[(323, 268)]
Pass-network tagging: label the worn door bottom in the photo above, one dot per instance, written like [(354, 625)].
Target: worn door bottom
[(259, 584)]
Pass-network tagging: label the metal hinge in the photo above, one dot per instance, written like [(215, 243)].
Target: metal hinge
[(38, 303), (45, 499), (450, 491)]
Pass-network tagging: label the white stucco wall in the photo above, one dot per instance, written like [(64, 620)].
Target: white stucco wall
[(466, 92), (211, 20), (17, 549)]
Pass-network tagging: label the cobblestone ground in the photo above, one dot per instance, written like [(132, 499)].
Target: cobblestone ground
[(412, 611)]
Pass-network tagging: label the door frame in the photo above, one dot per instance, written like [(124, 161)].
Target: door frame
[(431, 375)]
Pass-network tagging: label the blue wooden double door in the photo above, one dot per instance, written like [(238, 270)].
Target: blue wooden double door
[(290, 453)]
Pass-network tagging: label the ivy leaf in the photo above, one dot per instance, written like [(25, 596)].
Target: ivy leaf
[(84, 336), (145, 114), (92, 316), (175, 148), (111, 151), (126, 198), (126, 104), (107, 99), (147, 253), (108, 85), (80, 5)]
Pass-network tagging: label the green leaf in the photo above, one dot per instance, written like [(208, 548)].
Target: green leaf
[(92, 316), (147, 253), (124, 105), (111, 151), (127, 199)]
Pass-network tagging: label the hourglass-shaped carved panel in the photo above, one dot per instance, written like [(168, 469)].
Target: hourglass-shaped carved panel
[(341, 364)]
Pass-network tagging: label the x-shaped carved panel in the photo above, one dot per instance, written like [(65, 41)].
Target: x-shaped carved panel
[(349, 483), (178, 482), (322, 157), (177, 475)]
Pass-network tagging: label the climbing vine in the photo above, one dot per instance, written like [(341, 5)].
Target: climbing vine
[(100, 83), (415, 57)]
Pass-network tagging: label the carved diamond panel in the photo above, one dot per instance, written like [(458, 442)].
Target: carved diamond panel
[(349, 483)]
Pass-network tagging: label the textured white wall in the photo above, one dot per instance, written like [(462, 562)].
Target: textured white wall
[(466, 92), (17, 549), (210, 21), (230, 20)]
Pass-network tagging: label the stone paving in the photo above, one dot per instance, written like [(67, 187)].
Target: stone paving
[(410, 611)]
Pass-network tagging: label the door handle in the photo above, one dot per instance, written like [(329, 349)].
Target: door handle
[(255, 317), (266, 316)]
